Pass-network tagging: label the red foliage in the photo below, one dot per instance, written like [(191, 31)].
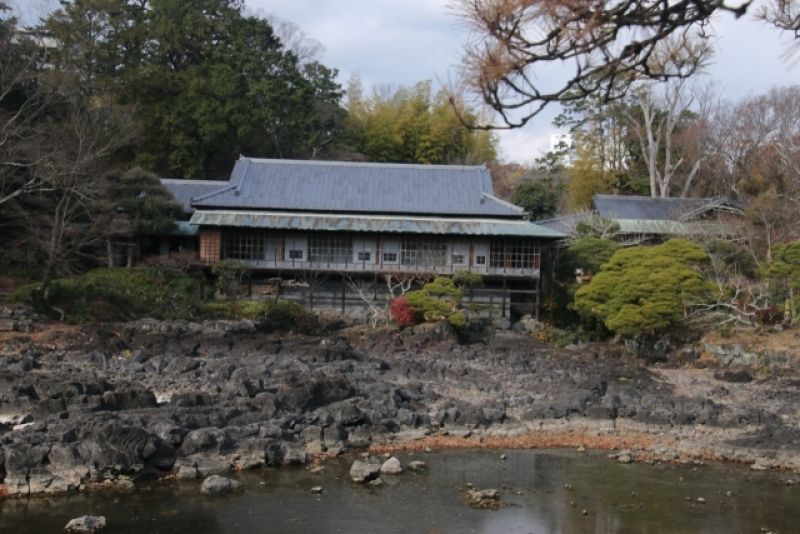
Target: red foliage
[(402, 312)]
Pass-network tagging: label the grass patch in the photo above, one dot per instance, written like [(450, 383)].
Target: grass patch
[(235, 311)]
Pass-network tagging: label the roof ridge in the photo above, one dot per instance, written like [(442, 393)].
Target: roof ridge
[(503, 202), (242, 176), (643, 197), (365, 164), (192, 181), (213, 193)]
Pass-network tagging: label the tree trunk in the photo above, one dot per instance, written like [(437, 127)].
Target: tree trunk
[(110, 253)]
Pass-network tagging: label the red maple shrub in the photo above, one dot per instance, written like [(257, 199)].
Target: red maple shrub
[(402, 313)]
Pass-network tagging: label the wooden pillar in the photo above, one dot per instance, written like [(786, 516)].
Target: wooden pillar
[(344, 290), (471, 259), (504, 298), (311, 292)]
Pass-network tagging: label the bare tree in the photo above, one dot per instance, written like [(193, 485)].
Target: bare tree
[(22, 103), (784, 14), (736, 301), (605, 47), (589, 224), (398, 284), (362, 288), (295, 39), (671, 128), (67, 155), (756, 144)]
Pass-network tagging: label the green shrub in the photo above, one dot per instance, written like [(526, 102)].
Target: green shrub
[(785, 266), (783, 273), (587, 254), (734, 258), (467, 279), (230, 275), (21, 263), (281, 316), (243, 309), (438, 300), (23, 294), (539, 199), (284, 316), (121, 294), (643, 290)]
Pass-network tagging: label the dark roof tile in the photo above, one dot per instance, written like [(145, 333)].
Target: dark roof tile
[(347, 187)]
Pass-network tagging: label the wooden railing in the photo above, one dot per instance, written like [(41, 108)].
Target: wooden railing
[(369, 267)]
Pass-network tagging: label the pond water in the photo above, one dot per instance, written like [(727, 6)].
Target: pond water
[(615, 497)]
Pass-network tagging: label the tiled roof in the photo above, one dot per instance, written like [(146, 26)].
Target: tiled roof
[(184, 190), (654, 209), (348, 187)]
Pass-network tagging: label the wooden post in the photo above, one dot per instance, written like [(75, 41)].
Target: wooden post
[(344, 290), (311, 293), (504, 298), (471, 260)]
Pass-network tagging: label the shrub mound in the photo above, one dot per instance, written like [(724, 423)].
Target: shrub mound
[(122, 294), (644, 290)]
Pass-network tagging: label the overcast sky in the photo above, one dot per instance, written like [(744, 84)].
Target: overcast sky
[(406, 41)]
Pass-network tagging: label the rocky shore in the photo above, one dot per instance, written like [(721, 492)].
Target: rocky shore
[(108, 405)]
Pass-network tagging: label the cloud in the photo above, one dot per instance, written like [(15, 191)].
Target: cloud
[(386, 42), (406, 41), (524, 145), (402, 42), (749, 57)]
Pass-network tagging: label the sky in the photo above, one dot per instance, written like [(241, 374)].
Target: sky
[(402, 42)]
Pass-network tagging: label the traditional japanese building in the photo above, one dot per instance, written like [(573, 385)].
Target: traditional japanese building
[(285, 217), (638, 219)]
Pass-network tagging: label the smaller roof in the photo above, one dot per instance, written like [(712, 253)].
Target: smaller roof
[(565, 223), (184, 229), (655, 209), (184, 190), (371, 223)]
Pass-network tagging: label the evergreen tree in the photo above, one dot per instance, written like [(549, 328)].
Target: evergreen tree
[(206, 82)]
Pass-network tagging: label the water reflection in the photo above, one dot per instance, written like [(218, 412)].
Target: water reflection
[(616, 498)]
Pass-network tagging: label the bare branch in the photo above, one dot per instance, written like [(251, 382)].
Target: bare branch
[(603, 47)]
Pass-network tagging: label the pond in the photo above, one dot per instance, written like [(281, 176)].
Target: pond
[(545, 491)]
